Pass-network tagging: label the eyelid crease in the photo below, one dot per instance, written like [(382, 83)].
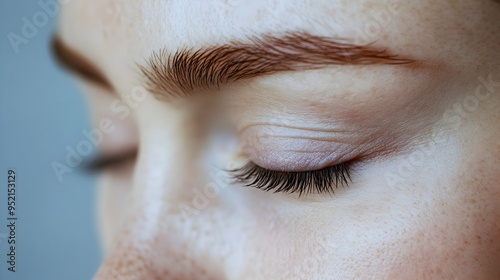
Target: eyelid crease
[(319, 139), (312, 129)]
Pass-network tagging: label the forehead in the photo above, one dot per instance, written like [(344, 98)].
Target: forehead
[(180, 22), (144, 24)]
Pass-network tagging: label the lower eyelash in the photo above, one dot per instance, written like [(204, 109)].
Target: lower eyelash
[(320, 181)]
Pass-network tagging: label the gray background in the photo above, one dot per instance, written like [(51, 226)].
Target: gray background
[(41, 112)]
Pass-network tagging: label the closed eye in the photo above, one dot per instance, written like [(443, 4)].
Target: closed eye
[(107, 162), (320, 181)]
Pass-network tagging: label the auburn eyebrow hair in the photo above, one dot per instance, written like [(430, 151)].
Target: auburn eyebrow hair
[(170, 75), (76, 63)]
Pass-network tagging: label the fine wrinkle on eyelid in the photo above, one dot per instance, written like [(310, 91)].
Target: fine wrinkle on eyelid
[(301, 154), (339, 149), (311, 138), (257, 133), (241, 129), (299, 151)]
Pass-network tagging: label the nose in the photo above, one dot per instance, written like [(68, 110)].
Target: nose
[(158, 239)]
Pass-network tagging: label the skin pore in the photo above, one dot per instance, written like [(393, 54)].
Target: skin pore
[(422, 141)]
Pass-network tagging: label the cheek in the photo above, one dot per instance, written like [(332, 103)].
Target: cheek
[(460, 234)]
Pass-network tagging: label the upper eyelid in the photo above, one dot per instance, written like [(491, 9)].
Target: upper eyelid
[(290, 152)]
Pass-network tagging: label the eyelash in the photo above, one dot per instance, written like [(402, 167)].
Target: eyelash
[(320, 181), (101, 163)]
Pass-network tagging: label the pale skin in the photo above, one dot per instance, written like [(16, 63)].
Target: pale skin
[(423, 205)]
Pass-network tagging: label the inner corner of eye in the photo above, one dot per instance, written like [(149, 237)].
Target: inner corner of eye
[(237, 161)]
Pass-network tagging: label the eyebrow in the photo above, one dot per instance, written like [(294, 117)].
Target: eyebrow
[(179, 74), (78, 64)]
